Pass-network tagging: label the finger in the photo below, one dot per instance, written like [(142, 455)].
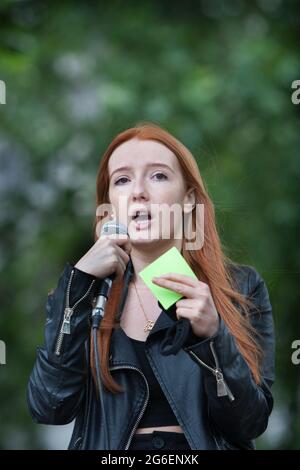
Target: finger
[(192, 303), (183, 278), (183, 313), (120, 269), (186, 303), (183, 289), (125, 243), (127, 247), (118, 238), (122, 254)]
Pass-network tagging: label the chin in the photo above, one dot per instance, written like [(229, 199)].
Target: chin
[(138, 238)]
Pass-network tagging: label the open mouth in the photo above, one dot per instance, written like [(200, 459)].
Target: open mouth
[(141, 216), (142, 219)]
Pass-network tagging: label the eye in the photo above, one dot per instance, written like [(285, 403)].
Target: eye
[(162, 174), (162, 177), (123, 178)]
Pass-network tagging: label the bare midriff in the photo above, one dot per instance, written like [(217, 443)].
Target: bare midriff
[(160, 428)]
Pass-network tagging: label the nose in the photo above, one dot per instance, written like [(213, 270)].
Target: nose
[(139, 191)]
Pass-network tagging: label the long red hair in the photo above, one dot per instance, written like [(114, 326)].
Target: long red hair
[(210, 263)]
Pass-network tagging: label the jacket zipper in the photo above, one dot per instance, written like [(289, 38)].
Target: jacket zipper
[(144, 406), (75, 445), (216, 442), (222, 387), (68, 312)]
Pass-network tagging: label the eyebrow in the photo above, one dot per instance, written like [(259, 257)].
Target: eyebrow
[(148, 165)]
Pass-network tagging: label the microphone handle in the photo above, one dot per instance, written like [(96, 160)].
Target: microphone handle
[(101, 299)]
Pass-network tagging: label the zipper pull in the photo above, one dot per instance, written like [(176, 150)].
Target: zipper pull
[(221, 387), (65, 329)]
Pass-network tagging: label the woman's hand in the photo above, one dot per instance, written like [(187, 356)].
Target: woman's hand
[(198, 306), (110, 253)]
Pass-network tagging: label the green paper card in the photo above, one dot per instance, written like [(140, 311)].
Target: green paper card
[(170, 262)]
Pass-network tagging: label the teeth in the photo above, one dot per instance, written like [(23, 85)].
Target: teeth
[(141, 215)]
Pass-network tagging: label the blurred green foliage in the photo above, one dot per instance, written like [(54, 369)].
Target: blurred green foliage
[(216, 74)]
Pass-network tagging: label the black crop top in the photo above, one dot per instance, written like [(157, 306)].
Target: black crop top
[(158, 411)]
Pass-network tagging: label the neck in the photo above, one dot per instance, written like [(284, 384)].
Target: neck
[(142, 257)]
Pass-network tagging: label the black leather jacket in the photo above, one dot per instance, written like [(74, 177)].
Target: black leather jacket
[(213, 414)]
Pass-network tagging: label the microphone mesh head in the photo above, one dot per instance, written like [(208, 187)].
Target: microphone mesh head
[(113, 226)]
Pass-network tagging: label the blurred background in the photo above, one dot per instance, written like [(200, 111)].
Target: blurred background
[(216, 74)]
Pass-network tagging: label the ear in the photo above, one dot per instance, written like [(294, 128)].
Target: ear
[(189, 201)]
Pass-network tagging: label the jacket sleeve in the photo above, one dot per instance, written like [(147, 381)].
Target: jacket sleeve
[(57, 381), (238, 407)]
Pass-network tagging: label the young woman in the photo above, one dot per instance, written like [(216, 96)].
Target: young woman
[(214, 392)]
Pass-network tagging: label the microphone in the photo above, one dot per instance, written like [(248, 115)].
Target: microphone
[(109, 228)]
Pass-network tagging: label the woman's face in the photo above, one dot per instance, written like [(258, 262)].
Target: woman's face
[(145, 175)]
